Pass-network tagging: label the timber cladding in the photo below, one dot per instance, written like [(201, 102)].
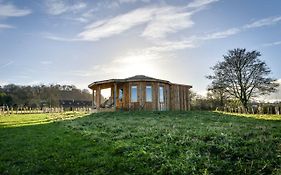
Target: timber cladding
[(141, 93)]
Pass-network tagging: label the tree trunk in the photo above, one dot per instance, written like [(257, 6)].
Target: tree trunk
[(245, 105)]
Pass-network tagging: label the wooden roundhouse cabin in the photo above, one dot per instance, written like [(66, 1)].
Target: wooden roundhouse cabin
[(140, 93)]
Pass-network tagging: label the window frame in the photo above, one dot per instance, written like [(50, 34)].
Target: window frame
[(120, 94), (151, 95), (159, 94), (131, 94)]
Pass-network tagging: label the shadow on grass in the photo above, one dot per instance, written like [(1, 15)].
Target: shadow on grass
[(45, 149)]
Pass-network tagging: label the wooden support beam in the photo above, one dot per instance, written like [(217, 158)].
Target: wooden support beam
[(115, 95), (188, 99), (94, 100), (98, 97)]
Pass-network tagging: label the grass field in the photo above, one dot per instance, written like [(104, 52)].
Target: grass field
[(140, 143)]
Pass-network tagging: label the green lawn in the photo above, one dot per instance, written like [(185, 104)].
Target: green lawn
[(140, 143)]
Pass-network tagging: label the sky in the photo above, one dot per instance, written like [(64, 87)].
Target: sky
[(78, 42)]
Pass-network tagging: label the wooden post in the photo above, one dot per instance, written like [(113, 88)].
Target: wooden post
[(8, 110), (184, 98), (98, 97), (268, 110), (276, 110), (115, 95), (188, 100), (93, 102)]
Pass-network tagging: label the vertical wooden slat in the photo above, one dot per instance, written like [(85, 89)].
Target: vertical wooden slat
[(129, 96), (167, 97), (185, 91), (115, 95), (98, 96), (187, 100), (171, 97), (93, 98), (178, 97)]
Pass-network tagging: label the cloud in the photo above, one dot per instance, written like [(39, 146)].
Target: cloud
[(221, 34), (56, 38), (133, 1), (272, 44), (147, 61), (233, 31), (263, 22), (168, 46), (9, 10), (118, 3), (134, 62), (191, 42), (160, 22), (6, 64), (6, 26), (134, 56), (58, 7), (116, 25), (200, 3), (46, 62), (3, 83), (167, 20)]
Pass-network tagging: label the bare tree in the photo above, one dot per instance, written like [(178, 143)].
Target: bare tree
[(243, 75), (218, 94)]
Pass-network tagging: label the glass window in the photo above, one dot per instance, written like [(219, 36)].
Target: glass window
[(120, 94), (148, 93), (161, 94), (134, 94)]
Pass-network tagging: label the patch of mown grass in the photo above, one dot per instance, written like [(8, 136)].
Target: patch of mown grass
[(144, 143), (256, 116), (16, 120)]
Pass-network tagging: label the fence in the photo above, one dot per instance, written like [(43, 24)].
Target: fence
[(261, 109), (25, 110)]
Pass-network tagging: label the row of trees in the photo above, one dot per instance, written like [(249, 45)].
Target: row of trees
[(40, 95), (238, 79), (213, 101), (210, 102)]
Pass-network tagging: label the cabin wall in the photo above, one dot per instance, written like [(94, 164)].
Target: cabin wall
[(173, 99), (141, 103), (180, 99), (176, 97)]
